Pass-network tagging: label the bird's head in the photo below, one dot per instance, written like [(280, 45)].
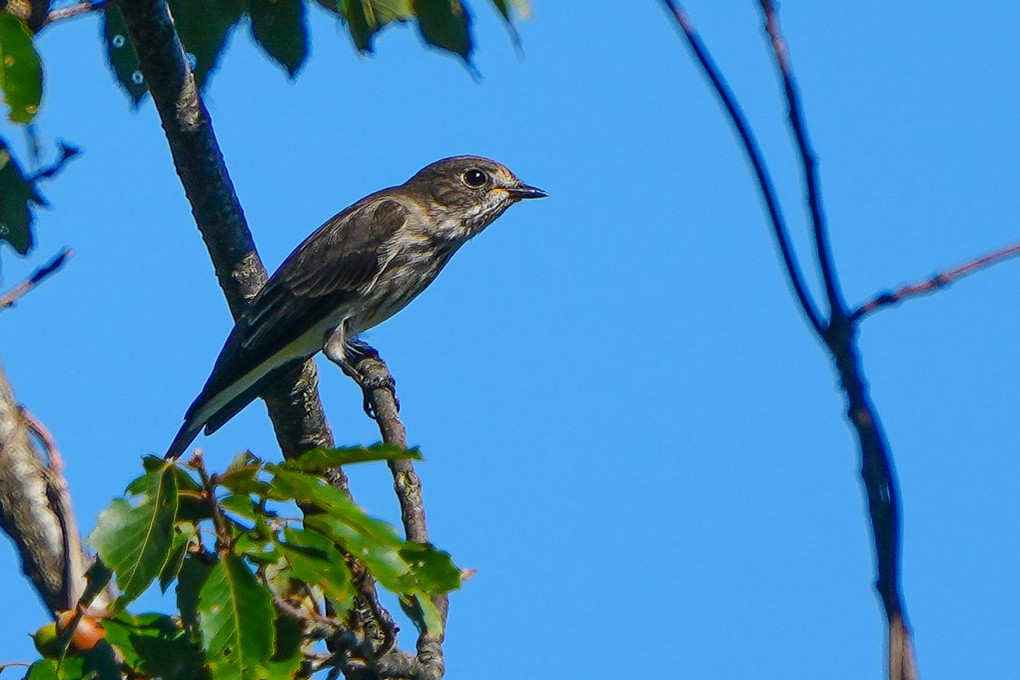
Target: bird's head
[(466, 193)]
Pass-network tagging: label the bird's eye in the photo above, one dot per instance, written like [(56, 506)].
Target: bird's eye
[(475, 177)]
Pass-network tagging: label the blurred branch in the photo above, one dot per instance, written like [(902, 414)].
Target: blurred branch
[(72, 11), (934, 283), (838, 332), (35, 508), (11, 297)]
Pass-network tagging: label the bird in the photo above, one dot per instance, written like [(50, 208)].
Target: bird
[(358, 269)]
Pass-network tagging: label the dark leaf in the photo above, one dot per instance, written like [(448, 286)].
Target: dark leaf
[(313, 559), (97, 577), (320, 460), (445, 24), (154, 645), (135, 540), (15, 194), (204, 26), (365, 18), (99, 663), (287, 658), (279, 26), (21, 75), (235, 614), (178, 551), (120, 54), (422, 612), (190, 581), (433, 569)]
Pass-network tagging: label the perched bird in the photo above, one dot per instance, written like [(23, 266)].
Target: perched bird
[(357, 270)]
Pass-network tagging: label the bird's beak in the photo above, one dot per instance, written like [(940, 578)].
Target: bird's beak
[(524, 191)]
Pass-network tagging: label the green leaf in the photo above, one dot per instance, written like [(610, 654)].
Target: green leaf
[(190, 581), (178, 551), (433, 569), (236, 616), (120, 54), (445, 24), (287, 658), (135, 539), (15, 195), (97, 576), (100, 663), (313, 559), (70, 668), (279, 27), (154, 645), (204, 26), (365, 18), (423, 612), (320, 460), (21, 76)]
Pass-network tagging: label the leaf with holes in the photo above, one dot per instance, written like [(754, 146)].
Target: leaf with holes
[(135, 539), (280, 28), (235, 616), (21, 77), (121, 56)]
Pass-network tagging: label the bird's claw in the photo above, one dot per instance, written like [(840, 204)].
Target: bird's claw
[(367, 384)]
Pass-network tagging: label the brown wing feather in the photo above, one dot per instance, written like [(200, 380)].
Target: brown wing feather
[(329, 269)]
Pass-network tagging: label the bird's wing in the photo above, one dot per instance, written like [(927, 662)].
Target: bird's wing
[(330, 268)]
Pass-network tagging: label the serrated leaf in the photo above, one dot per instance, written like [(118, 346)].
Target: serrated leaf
[(313, 559), (15, 195), (204, 27), (365, 18), (235, 616), (320, 460), (120, 54), (21, 76), (135, 540), (445, 24), (280, 28)]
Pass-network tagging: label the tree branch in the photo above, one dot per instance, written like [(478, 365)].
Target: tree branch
[(754, 157), (294, 405), (839, 333), (407, 485), (35, 507), (934, 283), (11, 297)]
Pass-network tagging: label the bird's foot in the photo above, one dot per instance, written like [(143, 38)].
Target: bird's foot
[(371, 376)]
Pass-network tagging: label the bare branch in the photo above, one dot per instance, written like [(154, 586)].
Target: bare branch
[(72, 11), (839, 333), (11, 297), (754, 157), (808, 159), (935, 282)]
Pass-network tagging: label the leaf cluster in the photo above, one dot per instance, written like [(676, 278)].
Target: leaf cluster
[(255, 581)]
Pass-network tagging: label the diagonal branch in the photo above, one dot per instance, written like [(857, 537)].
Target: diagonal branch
[(294, 405), (809, 162), (11, 297), (934, 283), (754, 157)]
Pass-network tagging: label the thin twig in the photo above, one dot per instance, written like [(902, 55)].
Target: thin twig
[(72, 11), (407, 486), (754, 156), (223, 533), (11, 297), (809, 162), (934, 283)]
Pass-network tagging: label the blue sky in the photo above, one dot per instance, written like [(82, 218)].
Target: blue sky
[(629, 430)]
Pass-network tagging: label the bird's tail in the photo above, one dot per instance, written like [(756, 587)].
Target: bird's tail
[(189, 430)]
